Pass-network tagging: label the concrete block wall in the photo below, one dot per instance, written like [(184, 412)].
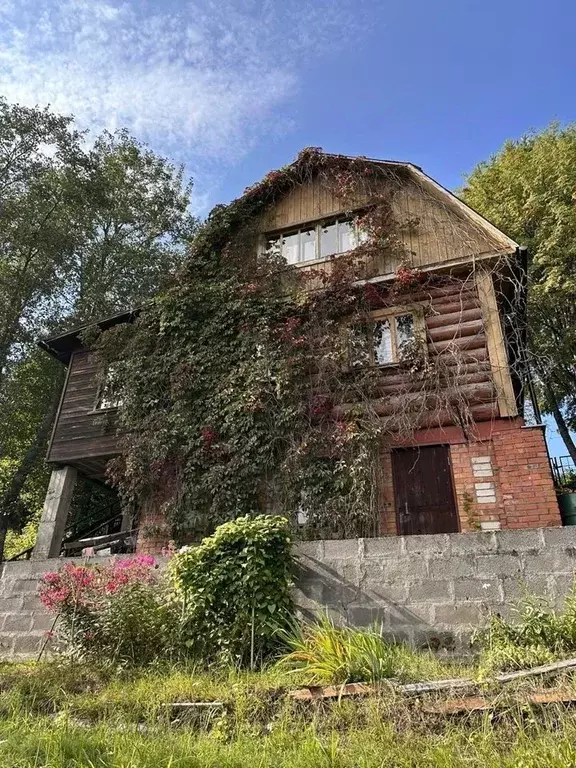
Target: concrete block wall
[(434, 590), (427, 590), (24, 621)]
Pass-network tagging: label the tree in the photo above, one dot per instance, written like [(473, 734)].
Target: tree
[(84, 233), (528, 189)]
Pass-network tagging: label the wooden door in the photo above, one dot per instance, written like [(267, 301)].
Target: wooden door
[(423, 490)]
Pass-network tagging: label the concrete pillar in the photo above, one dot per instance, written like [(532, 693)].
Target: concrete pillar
[(55, 513)]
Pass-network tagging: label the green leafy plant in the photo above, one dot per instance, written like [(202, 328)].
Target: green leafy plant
[(536, 635), (235, 589), (328, 653)]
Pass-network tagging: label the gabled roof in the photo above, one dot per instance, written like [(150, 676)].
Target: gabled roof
[(443, 194), (62, 346)]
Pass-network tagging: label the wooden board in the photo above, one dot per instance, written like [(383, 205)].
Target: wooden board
[(423, 491), (81, 432), (434, 226)]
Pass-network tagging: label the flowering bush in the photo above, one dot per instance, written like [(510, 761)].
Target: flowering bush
[(117, 611)]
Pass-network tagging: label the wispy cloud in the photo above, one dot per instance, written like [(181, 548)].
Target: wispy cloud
[(202, 79)]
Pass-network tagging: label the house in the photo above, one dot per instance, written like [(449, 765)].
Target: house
[(469, 461)]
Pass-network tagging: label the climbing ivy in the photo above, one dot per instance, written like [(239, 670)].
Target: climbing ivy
[(238, 393)]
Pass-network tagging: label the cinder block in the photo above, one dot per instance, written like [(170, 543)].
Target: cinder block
[(27, 644), (498, 565), (458, 614), (473, 542), (11, 604), (563, 584), (340, 549), (436, 543), (403, 568), (517, 589), (481, 590), (42, 622), (367, 615), (558, 561), (520, 540), (430, 591), (25, 586), (560, 537), (6, 645), (17, 622), (312, 549), (452, 567), (385, 591), (385, 546)]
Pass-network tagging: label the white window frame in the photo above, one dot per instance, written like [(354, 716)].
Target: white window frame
[(419, 328), (317, 226)]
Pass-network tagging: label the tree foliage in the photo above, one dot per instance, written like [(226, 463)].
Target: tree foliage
[(85, 231), (528, 189)]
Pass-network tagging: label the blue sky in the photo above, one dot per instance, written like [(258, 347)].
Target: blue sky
[(233, 88)]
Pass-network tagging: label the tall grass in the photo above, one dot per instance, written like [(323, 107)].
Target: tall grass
[(326, 653), (367, 740), (53, 716)]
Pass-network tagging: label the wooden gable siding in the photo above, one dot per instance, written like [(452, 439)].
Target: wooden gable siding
[(80, 431), (439, 232)]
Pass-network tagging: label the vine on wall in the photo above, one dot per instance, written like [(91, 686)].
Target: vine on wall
[(238, 395)]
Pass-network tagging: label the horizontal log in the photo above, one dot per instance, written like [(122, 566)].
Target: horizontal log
[(388, 388), (458, 345), (456, 331), (443, 319)]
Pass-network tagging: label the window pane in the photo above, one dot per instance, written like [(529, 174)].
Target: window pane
[(359, 236), (308, 244), (404, 330), (109, 396), (290, 248), (382, 343), (345, 236), (273, 246), (359, 349), (328, 241)]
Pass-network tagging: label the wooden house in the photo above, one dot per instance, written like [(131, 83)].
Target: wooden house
[(445, 478)]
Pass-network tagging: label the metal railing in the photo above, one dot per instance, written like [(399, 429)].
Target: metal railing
[(564, 471), (96, 526)]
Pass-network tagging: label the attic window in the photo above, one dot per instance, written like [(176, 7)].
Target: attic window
[(316, 242)]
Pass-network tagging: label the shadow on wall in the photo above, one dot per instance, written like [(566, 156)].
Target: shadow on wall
[(321, 588)]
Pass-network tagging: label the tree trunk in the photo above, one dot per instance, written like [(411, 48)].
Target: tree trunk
[(561, 423), (14, 488)]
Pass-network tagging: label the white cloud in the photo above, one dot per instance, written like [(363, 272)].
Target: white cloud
[(200, 81)]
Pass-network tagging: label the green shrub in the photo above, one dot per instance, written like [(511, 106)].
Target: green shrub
[(536, 635), (236, 589)]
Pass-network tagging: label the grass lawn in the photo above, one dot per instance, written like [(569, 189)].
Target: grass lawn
[(57, 715)]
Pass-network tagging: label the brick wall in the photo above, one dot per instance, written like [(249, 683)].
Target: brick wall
[(505, 478), (502, 474), (153, 531)]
